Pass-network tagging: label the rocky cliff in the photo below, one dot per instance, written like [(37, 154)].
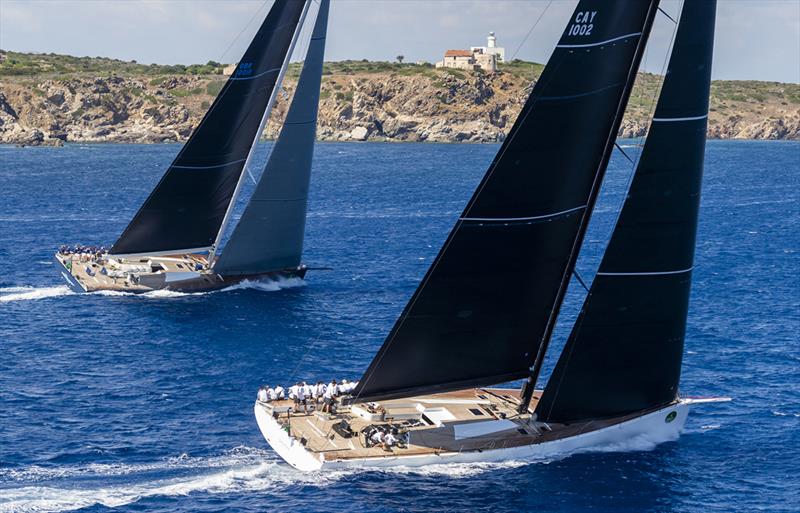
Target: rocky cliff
[(360, 101)]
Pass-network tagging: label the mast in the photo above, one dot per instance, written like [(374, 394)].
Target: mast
[(184, 211), (536, 369), (269, 235), (627, 343), (273, 96), (480, 312)]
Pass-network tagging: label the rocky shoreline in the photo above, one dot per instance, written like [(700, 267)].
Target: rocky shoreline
[(401, 103)]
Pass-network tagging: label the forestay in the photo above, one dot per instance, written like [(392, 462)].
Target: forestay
[(269, 235), (484, 307), (624, 352), (186, 209)]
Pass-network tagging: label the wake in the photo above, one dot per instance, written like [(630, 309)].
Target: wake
[(10, 294), (25, 293), (240, 470)]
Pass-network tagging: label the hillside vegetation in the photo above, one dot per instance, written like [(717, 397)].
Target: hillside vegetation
[(49, 99)]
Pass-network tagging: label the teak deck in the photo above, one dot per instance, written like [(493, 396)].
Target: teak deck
[(463, 408), (117, 279)]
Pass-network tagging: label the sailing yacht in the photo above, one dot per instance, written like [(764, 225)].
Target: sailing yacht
[(173, 241), (484, 313)]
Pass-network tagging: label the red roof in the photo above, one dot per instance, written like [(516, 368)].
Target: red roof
[(458, 53)]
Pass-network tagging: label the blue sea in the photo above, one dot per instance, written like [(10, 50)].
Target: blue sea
[(144, 403)]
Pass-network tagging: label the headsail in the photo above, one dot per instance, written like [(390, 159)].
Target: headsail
[(187, 207), (483, 309), (269, 235), (624, 352)]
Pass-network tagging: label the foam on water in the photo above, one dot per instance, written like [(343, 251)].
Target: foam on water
[(242, 469), (9, 294), (245, 478), (25, 293), (237, 456)]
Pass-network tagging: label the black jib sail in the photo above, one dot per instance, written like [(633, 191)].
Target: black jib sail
[(483, 309), (270, 233), (624, 352), (186, 209)]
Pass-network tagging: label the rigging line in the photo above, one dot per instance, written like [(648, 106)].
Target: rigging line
[(623, 152), (641, 139), (225, 88), (250, 22), (524, 39), (667, 15), (289, 100), (579, 323), (580, 280)]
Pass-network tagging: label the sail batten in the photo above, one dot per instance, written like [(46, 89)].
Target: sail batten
[(187, 207), (625, 350), (269, 234), (481, 312)]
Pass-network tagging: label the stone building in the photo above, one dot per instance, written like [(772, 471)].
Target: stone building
[(477, 57)]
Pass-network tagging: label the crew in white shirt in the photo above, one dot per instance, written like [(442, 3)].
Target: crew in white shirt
[(347, 386), (334, 389), (279, 392), (389, 440), (301, 398), (328, 399), (271, 395), (294, 392), (377, 437), (262, 394), (317, 391)]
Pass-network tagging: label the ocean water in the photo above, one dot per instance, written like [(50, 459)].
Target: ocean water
[(144, 403)]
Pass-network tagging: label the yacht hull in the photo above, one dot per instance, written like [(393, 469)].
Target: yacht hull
[(87, 276), (637, 433)]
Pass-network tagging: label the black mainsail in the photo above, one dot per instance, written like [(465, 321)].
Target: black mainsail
[(486, 307), (185, 211), (624, 352), (270, 233)]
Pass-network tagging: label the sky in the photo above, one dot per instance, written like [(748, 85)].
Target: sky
[(755, 39)]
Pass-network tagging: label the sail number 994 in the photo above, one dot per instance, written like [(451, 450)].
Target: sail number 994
[(583, 24)]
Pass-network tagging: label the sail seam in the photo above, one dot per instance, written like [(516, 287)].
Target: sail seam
[(646, 273), (531, 218), (273, 70), (210, 167), (580, 95), (588, 45), (691, 118)]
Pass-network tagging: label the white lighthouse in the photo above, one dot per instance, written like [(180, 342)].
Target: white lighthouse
[(491, 48)]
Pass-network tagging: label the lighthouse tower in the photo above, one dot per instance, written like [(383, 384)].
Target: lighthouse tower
[(491, 48), (491, 41)]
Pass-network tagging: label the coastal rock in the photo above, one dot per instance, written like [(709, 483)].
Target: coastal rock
[(398, 103), (359, 133)]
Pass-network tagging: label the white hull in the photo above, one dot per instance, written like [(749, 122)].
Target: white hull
[(640, 432)]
